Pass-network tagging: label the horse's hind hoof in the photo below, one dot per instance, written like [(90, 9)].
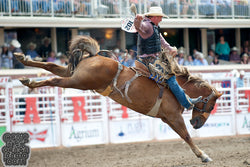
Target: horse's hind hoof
[(19, 56), (25, 81)]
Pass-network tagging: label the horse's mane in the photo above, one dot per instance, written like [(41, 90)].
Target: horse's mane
[(183, 72), (84, 46), (81, 46)]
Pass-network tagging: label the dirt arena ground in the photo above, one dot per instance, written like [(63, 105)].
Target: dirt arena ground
[(225, 152)]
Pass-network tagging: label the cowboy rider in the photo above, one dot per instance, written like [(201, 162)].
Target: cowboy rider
[(149, 45)]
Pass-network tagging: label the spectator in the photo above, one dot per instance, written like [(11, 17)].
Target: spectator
[(234, 56), (4, 6), (201, 61), (206, 7), (45, 48), (6, 57), (127, 60), (31, 51), (45, 6), (245, 59), (62, 61), (15, 47), (133, 55), (195, 55), (222, 49), (181, 56), (14, 5), (245, 50), (216, 60), (189, 61), (117, 53), (240, 79), (169, 7), (52, 57), (210, 56)]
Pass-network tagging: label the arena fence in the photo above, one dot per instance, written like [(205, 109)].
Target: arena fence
[(68, 117), (119, 8)]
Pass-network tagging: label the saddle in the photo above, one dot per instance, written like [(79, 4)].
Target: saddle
[(157, 71)]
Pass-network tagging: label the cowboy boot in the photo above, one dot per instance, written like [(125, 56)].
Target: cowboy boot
[(179, 93)]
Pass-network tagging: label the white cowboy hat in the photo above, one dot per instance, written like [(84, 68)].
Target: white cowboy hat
[(32, 44), (15, 43), (234, 48), (155, 11), (245, 55), (242, 72), (181, 50), (200, 56), (46, 39)]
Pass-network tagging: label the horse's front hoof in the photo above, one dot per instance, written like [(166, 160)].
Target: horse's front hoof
[(207, 159), (25, 81), (19, 56)]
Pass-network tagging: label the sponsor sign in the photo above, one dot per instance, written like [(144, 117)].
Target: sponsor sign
[(243, 123), (82, 133), (131, 130), (163, 131), (41, 135), (217, 125), (2, 130)]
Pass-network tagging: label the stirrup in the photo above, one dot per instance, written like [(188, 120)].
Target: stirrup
[(195, 100)]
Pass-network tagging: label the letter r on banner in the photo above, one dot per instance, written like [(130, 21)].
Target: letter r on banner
[(31, 109), (78, 104)]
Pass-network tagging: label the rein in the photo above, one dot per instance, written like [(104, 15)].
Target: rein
[(205, 101)]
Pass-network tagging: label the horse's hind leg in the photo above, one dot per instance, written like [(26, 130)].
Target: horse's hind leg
[(66, 82), (178, 125), (54, 68)]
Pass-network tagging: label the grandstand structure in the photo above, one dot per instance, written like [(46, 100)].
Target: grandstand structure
[(192, 24)]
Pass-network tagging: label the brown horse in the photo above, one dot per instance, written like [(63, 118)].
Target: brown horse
[(89, 71)]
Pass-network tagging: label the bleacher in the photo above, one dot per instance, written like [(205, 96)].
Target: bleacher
[(236, 9)]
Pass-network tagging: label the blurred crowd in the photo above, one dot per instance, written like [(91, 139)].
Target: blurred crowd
[(85, 7), (44, 53), (222, 54)]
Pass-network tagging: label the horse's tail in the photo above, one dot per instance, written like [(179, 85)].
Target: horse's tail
[(79, 46)]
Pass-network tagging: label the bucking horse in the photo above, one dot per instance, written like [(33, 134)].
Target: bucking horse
[(88, 69)]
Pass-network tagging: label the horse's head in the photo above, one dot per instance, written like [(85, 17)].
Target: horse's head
[(202, 109)]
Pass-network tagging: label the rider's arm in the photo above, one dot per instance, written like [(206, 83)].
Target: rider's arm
[(166, 45), (144, 28)]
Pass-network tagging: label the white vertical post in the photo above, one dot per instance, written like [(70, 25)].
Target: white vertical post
[(1, 36), (186, 40), (204, 41), (54, 39), (74, 33), (238, 39), (123, 39)]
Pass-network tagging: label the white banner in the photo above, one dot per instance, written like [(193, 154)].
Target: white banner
[(217, 125), (131, 130), (243, 123), (41, 135), (163, 131), (83, 133)]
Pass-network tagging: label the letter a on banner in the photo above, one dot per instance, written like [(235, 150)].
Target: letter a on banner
[(78, 104), (31, 109), (247, 95)]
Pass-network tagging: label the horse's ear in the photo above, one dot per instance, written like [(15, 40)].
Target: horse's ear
[(219, 95)]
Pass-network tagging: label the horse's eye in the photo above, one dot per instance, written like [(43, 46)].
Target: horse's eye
[(211, 108)]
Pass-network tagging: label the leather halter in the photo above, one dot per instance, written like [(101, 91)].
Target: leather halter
[(205, 101)]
